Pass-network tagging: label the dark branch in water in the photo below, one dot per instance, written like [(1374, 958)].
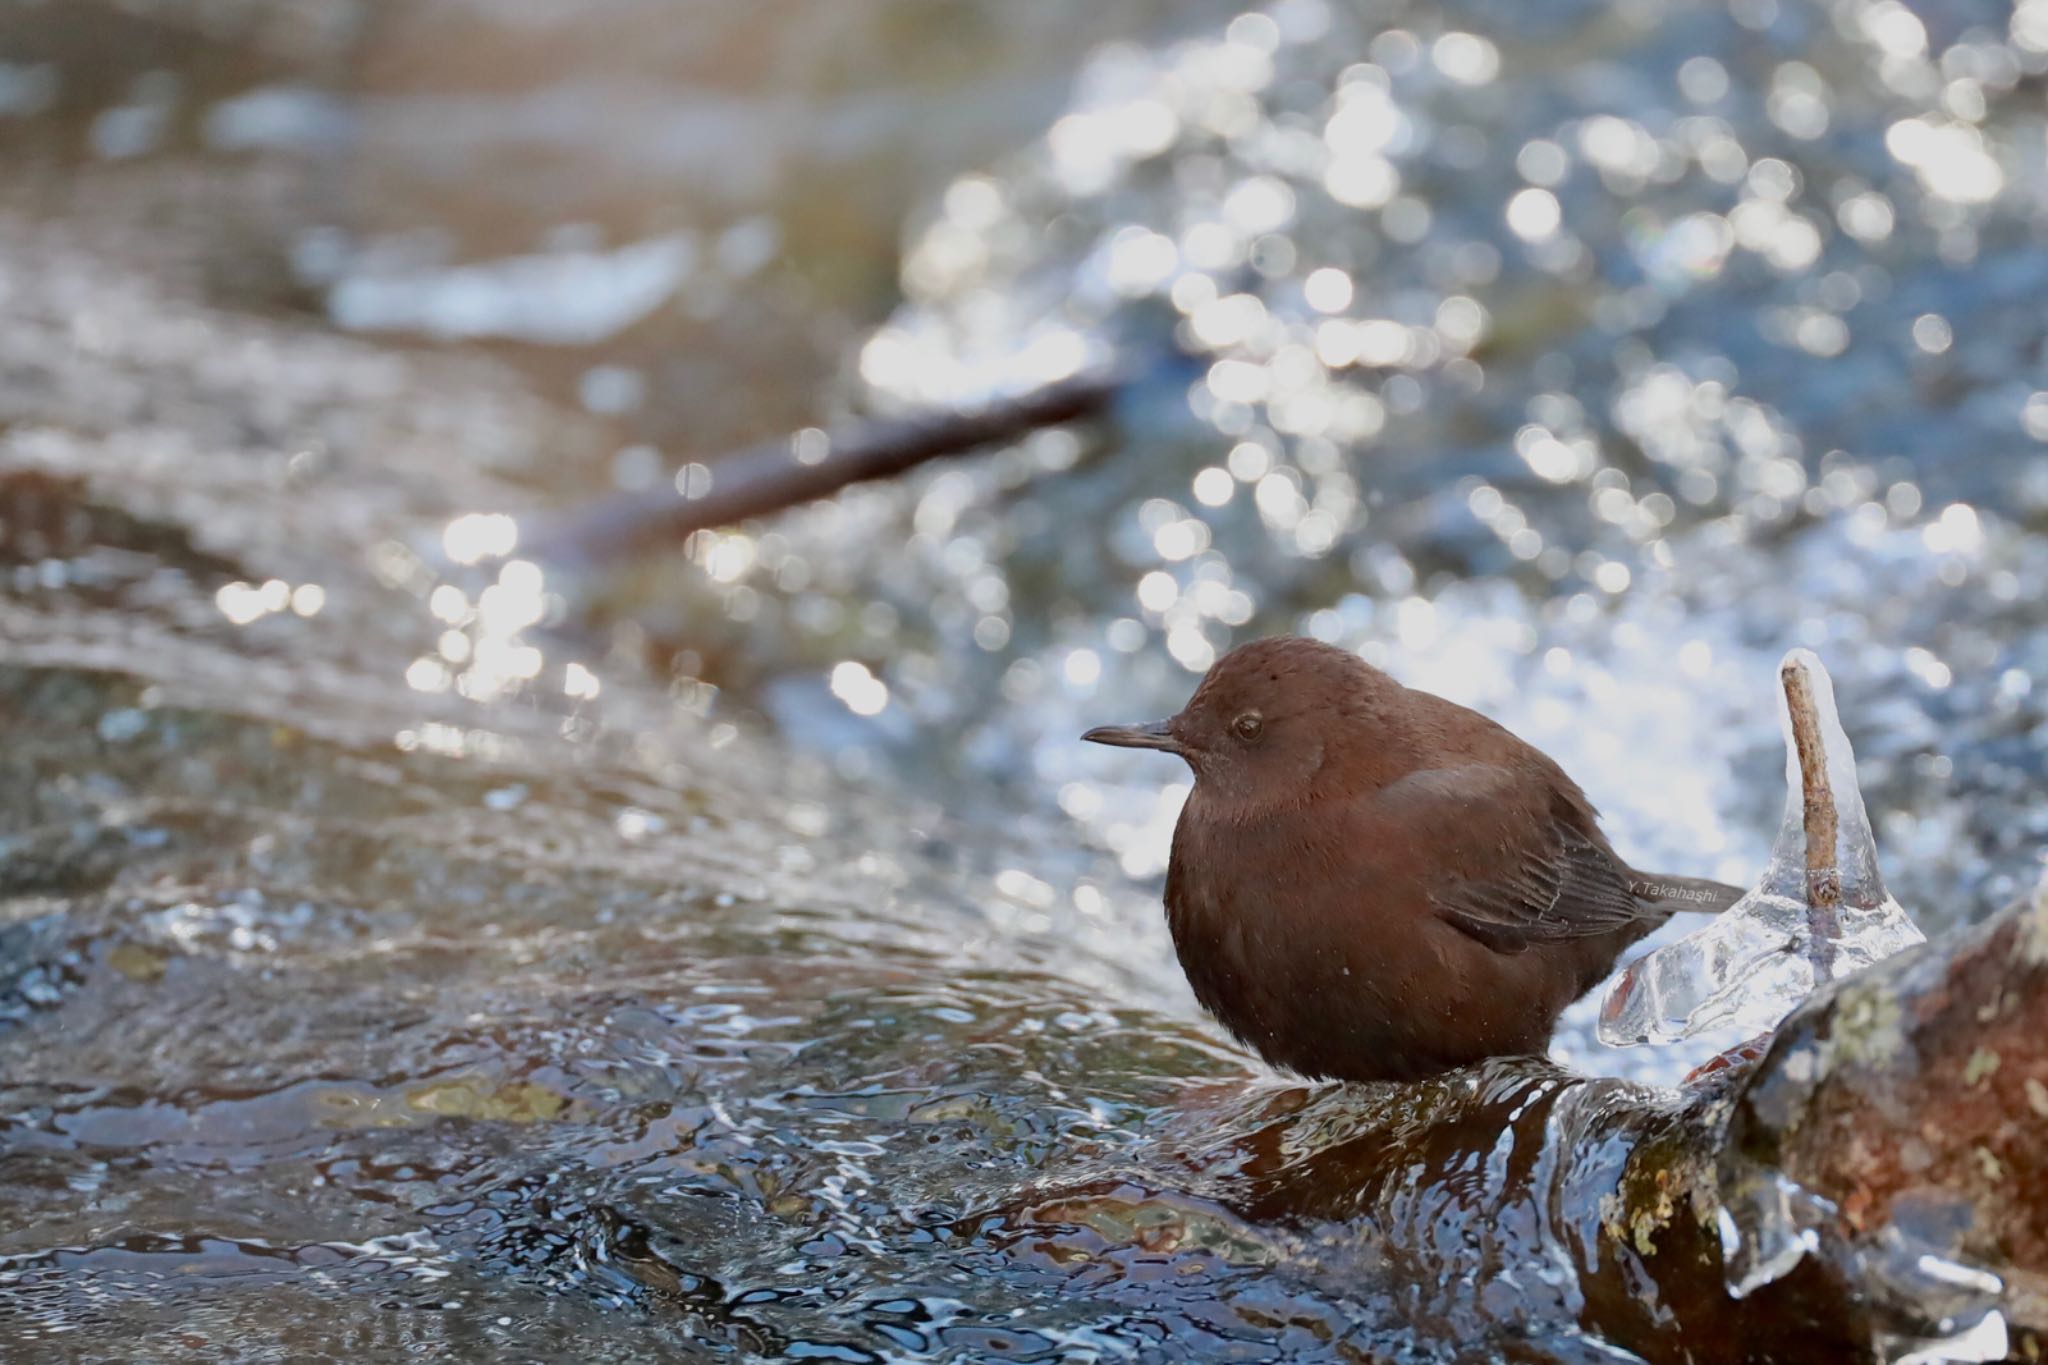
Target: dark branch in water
[(775, 475), (1823, 878)]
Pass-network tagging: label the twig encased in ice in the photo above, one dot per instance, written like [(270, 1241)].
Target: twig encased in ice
[(1819, 912)]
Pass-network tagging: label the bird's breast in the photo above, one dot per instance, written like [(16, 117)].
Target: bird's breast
[(1319, 954)]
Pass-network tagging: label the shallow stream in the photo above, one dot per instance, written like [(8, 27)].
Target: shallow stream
[(408, 946)]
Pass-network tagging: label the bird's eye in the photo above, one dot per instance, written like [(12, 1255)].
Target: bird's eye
[(1248, 725)]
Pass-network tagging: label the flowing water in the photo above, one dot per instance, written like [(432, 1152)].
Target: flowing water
[(406, 946)]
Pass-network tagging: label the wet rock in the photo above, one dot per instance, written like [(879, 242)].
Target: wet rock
[(1895, 1132)]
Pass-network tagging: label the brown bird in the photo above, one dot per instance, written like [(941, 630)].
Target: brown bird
[(1372, 883)]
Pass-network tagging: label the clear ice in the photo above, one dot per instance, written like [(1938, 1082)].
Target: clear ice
[(1928, 1304), (1815, 915)]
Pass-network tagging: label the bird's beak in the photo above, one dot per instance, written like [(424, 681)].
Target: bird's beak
[(1157, 734)]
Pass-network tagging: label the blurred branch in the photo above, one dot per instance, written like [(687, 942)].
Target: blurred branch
[(774, 475)]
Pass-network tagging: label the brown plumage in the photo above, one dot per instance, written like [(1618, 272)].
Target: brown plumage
[(1372, 883)]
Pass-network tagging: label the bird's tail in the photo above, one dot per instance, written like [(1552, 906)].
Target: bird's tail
[(1683, 893)]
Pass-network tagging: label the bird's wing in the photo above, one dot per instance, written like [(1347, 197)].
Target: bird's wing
[(1518, 863)]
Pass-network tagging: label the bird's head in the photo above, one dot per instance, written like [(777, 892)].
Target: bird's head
[(1266, 719)]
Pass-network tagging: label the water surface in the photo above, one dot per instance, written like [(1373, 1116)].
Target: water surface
[(408, 946)]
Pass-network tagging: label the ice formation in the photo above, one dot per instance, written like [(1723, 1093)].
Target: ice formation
[(1819, 912)]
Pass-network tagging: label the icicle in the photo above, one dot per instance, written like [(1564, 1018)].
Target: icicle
[(1819, 912)]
